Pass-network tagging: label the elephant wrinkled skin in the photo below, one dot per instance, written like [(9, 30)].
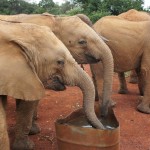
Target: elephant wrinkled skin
[(130, 47), (81, 40), (31, 54)]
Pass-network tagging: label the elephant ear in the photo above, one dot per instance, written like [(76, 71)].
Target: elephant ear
[(85, 19), (17, 72), (103, 38), (28, 50)]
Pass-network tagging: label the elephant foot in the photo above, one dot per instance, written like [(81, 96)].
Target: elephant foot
[(123, 91), (144, 107), (35, 129), (133, 80), (23, 144), (140, 98)]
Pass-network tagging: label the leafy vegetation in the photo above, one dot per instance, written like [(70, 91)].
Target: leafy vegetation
[(95, 9)]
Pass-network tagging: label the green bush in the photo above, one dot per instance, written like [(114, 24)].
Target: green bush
[(94, 16), (74, 11)]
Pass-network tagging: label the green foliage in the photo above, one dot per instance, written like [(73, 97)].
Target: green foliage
[(94, 16), (67, 6), (99, 8), (16, 7), (118, 6), (48, 6), (94, 9), (74, 11)]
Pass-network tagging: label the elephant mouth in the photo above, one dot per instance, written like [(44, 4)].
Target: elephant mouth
[(55, 84), (91, 59)]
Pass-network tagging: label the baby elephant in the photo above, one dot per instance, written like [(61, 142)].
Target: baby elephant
[(30, 55)]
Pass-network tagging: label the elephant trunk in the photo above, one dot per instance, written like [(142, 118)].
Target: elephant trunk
[(108, 70), (85, 83)]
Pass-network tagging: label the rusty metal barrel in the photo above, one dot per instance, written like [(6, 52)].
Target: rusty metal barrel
[(75, 133)]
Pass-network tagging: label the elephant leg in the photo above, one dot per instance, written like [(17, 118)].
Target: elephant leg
[(35, 129), (4, 140), (97, 76), (17, 103), (24, 117), (141, 81), (4, 101), (123, 85), (133, 77), (144, 106)]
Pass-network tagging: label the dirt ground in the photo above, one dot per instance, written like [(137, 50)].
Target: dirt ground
[(134, 126)]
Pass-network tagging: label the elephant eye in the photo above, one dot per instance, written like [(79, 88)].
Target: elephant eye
[(82, 42), (60, 63)]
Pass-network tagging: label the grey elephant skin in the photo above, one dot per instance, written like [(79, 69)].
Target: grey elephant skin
[(30, 55), (129, 44)]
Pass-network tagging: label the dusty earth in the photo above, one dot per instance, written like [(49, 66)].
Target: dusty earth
[(134, 126)]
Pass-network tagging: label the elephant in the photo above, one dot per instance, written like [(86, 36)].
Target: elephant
[(134, 15), (129, 44), (81, 40), (4, 141), (35, 54), (131, 15)]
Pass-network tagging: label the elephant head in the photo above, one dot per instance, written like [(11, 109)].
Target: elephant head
[(31, 54), (81, 40), (86, 46)]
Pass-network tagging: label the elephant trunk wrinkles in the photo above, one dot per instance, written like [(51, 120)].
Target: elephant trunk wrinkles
[(86, 85), (108, 69)]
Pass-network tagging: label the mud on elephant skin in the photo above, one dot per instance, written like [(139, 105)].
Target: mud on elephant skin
[(82, 41), (130, 51), (30, 65)]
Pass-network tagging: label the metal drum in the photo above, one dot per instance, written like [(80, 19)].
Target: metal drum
[(75, 133)]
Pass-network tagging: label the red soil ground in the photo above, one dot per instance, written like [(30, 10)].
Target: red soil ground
[(134, 126)]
